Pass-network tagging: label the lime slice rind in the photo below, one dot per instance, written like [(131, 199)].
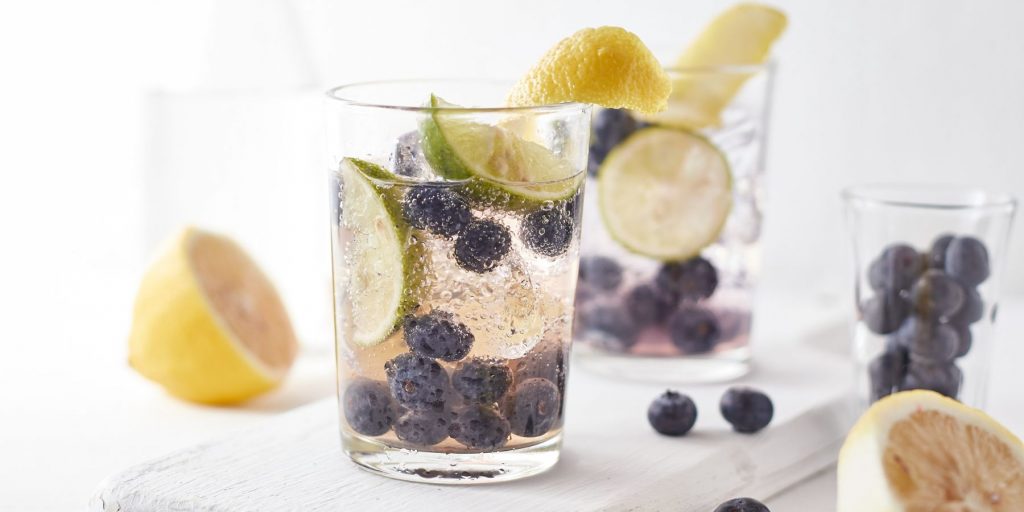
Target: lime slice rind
[(496, 158), (665, 193), (375, 248)]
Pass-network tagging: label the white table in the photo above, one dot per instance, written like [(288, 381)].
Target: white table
[(86, 415)]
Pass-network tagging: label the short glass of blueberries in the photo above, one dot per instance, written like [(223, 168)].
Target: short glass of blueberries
[(927, 263)]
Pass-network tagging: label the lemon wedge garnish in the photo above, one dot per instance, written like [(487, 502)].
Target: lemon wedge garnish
[(606, 66), (920, 451), (208, 325)]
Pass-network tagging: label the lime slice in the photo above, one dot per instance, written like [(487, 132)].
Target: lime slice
[(742, 35), (376, 280), (459, 149), (665, 193)]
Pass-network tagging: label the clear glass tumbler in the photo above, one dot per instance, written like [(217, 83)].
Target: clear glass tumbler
[(678, 311), (455, 241), (928, 262)]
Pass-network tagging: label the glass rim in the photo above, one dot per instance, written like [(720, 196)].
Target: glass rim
[(337, 94), (902, 195), (722, 69)]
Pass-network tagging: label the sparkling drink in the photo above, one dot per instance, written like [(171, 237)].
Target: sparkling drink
[(455, 237), (667, 277)]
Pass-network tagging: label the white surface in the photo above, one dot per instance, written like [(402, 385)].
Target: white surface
[(611, 459)]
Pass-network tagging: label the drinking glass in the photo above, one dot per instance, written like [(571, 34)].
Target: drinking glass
[(681, 318), (455, 242), (928, 262)]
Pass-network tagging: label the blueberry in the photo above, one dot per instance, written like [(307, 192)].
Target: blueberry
[(547, 232), (534, 407), (693, 279), (672, 414), (967, 261), (649, 305), (943, 378), (601, 273), (937, 254), (887, 371), (482, 379), (610, 127), (609, 327), (742, 505), (368, 407), (966, 339), (408, 154), (546, 361), (422, 428), (437, 335), (896, 268), (417, 382), (928, 340), (884, 312), (972, 310), (436, 209), (935, 295), (747, 409), (479, 426), (694, 330), (482, 245)]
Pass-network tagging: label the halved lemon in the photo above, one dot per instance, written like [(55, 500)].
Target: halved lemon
[(665, 193), (918, 451), (607, 66), (208, 325)]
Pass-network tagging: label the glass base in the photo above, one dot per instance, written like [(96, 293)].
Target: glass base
[(453, 468), (718, 367)]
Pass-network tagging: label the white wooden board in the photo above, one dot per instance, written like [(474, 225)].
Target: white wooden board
[(611, 459)]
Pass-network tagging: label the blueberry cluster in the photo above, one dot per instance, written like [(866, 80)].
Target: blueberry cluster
[(672, 300), (746, 409), (925, 303), (478, 401)]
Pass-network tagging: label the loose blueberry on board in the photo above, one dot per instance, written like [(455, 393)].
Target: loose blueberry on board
[(896, 268), (482, 245), (672, 414), (967, 261), (937, 253), (694, 279), (437, 335), (417, 382), (649, 305), (600, 273), (943, 378), (935, 295), (482, 379), (608, 327), (928, 340), (887, 371), (610, 127), (533, 408), (408, 155), (884, 312), (693, 329), (423, 428), (479, 426), (742, 505), (547, 232), (368, 407), (746, 409), (437, 210), (972, 310)]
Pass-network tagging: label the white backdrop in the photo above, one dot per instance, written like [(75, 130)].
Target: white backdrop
[(867, 91)]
